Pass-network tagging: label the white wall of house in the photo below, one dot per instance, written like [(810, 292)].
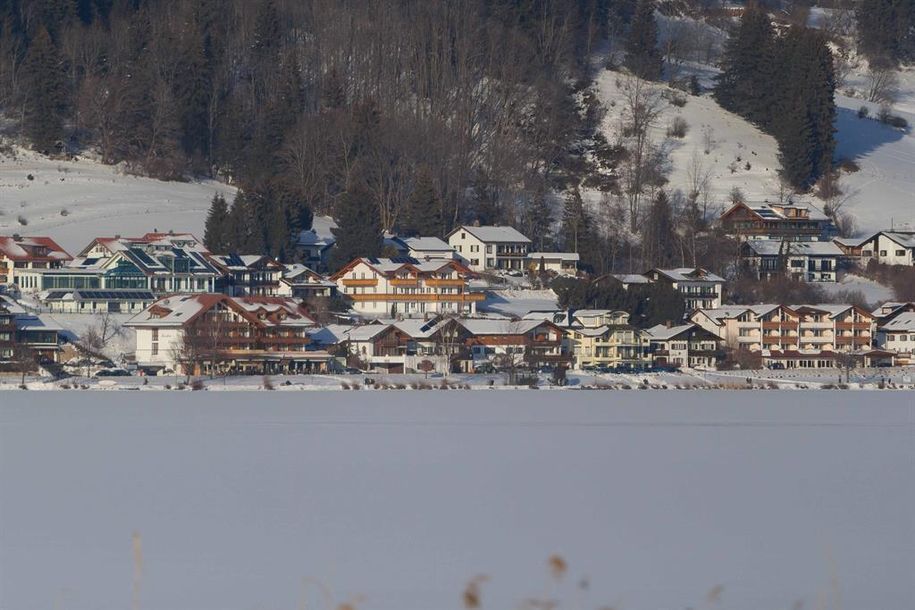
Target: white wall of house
[(473, 251), (889, 252), (158, 346)]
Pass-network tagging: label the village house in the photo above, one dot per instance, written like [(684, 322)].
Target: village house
[(248, 274), (303, 283), (421, 248), (603, 338), (807, 261), (216, 333), (19, 255), (391, 287), (26, 338), (560, 263), (701, 289), (793, 221), (684, 345), (315, 248), (885, 247), (897, 335), (796, 336), (97, 301), (490, 248), (161, 263), (512, 344)]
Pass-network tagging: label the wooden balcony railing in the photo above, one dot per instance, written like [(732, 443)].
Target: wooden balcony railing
[(785, 325), (853, 326), (442, 283), (348, 281), (467, 297), (404, 282)]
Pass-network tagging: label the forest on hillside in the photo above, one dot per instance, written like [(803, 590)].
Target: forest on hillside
[(433, 111), (413, 115)]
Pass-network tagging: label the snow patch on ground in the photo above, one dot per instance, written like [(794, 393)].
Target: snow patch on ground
[(874, 292)]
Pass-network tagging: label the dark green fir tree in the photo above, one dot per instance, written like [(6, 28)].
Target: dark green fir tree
[(642, 55)]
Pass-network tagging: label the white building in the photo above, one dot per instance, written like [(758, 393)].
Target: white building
[(701, 289), (898, 335), (808, 261), (490, 248), (563, 263)]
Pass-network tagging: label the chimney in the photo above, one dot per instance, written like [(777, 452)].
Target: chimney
[(17, 237), (668, 323)]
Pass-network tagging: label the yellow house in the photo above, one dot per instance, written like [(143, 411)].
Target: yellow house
[(604, 338)]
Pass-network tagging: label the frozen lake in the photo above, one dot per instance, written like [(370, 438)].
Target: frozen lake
[(395, 500)]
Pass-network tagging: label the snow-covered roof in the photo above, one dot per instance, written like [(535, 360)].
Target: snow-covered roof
[(494, 234), (320, 234), (689, 274), (425, 244), (366, 332), (389, 266), (477, 326), (10, 305), (561, 256), (630, 278), (331, 334), (178, 311), (775, 247), (42, 249), (906, 240), (661, 332), (39, 322), (904, 322)]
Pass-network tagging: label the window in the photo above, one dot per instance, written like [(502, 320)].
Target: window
[(155, 342), (900, 252), (883, 253)]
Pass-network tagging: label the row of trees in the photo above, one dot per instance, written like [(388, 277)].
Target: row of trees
[(783, 83), (886, 30)]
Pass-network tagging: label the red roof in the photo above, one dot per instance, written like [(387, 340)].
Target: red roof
[(36, 249)]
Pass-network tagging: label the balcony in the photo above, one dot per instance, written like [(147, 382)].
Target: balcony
[(467, 297), (780, 325), (445, 283), (360, 282), (404, 282), (853, 325), (864, 341)]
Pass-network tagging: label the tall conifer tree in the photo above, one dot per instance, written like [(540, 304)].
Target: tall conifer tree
[(46, 95), (642, 55)]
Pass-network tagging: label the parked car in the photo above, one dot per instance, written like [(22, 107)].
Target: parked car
[(116, 372), (351, 371)]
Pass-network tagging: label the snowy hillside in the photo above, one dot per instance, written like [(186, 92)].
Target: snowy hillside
[(882, 190), (74, 201)]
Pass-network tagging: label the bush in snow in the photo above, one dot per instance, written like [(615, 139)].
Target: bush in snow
[(863, 112), (677, 128)]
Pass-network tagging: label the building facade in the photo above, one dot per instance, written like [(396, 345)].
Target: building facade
[(490, 248)]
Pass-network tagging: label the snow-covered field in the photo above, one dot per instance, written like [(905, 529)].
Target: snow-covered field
[(714, 500), (98, 200)]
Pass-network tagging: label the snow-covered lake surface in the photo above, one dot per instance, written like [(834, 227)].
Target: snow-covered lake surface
[(749, 500)]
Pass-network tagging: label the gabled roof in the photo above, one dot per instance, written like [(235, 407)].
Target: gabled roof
[(493, 234), (904, 322), (906, 240), (424, 244), (38, 249), (240, 262), (630, 278), (11, 306), (661, 332), (478, 326), (390, 266), (776, 247), (688, 274), (180, 310)]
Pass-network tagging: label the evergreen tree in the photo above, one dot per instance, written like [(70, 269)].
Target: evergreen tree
[(46, 94), (216, 235), (747, 83), (658, 234), (538, 220), (642, 55), (422, 213), (358, 229), (574, 223), (886, 29)]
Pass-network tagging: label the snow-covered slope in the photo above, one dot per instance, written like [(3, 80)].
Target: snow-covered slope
[(74, 201), (883, 191)]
